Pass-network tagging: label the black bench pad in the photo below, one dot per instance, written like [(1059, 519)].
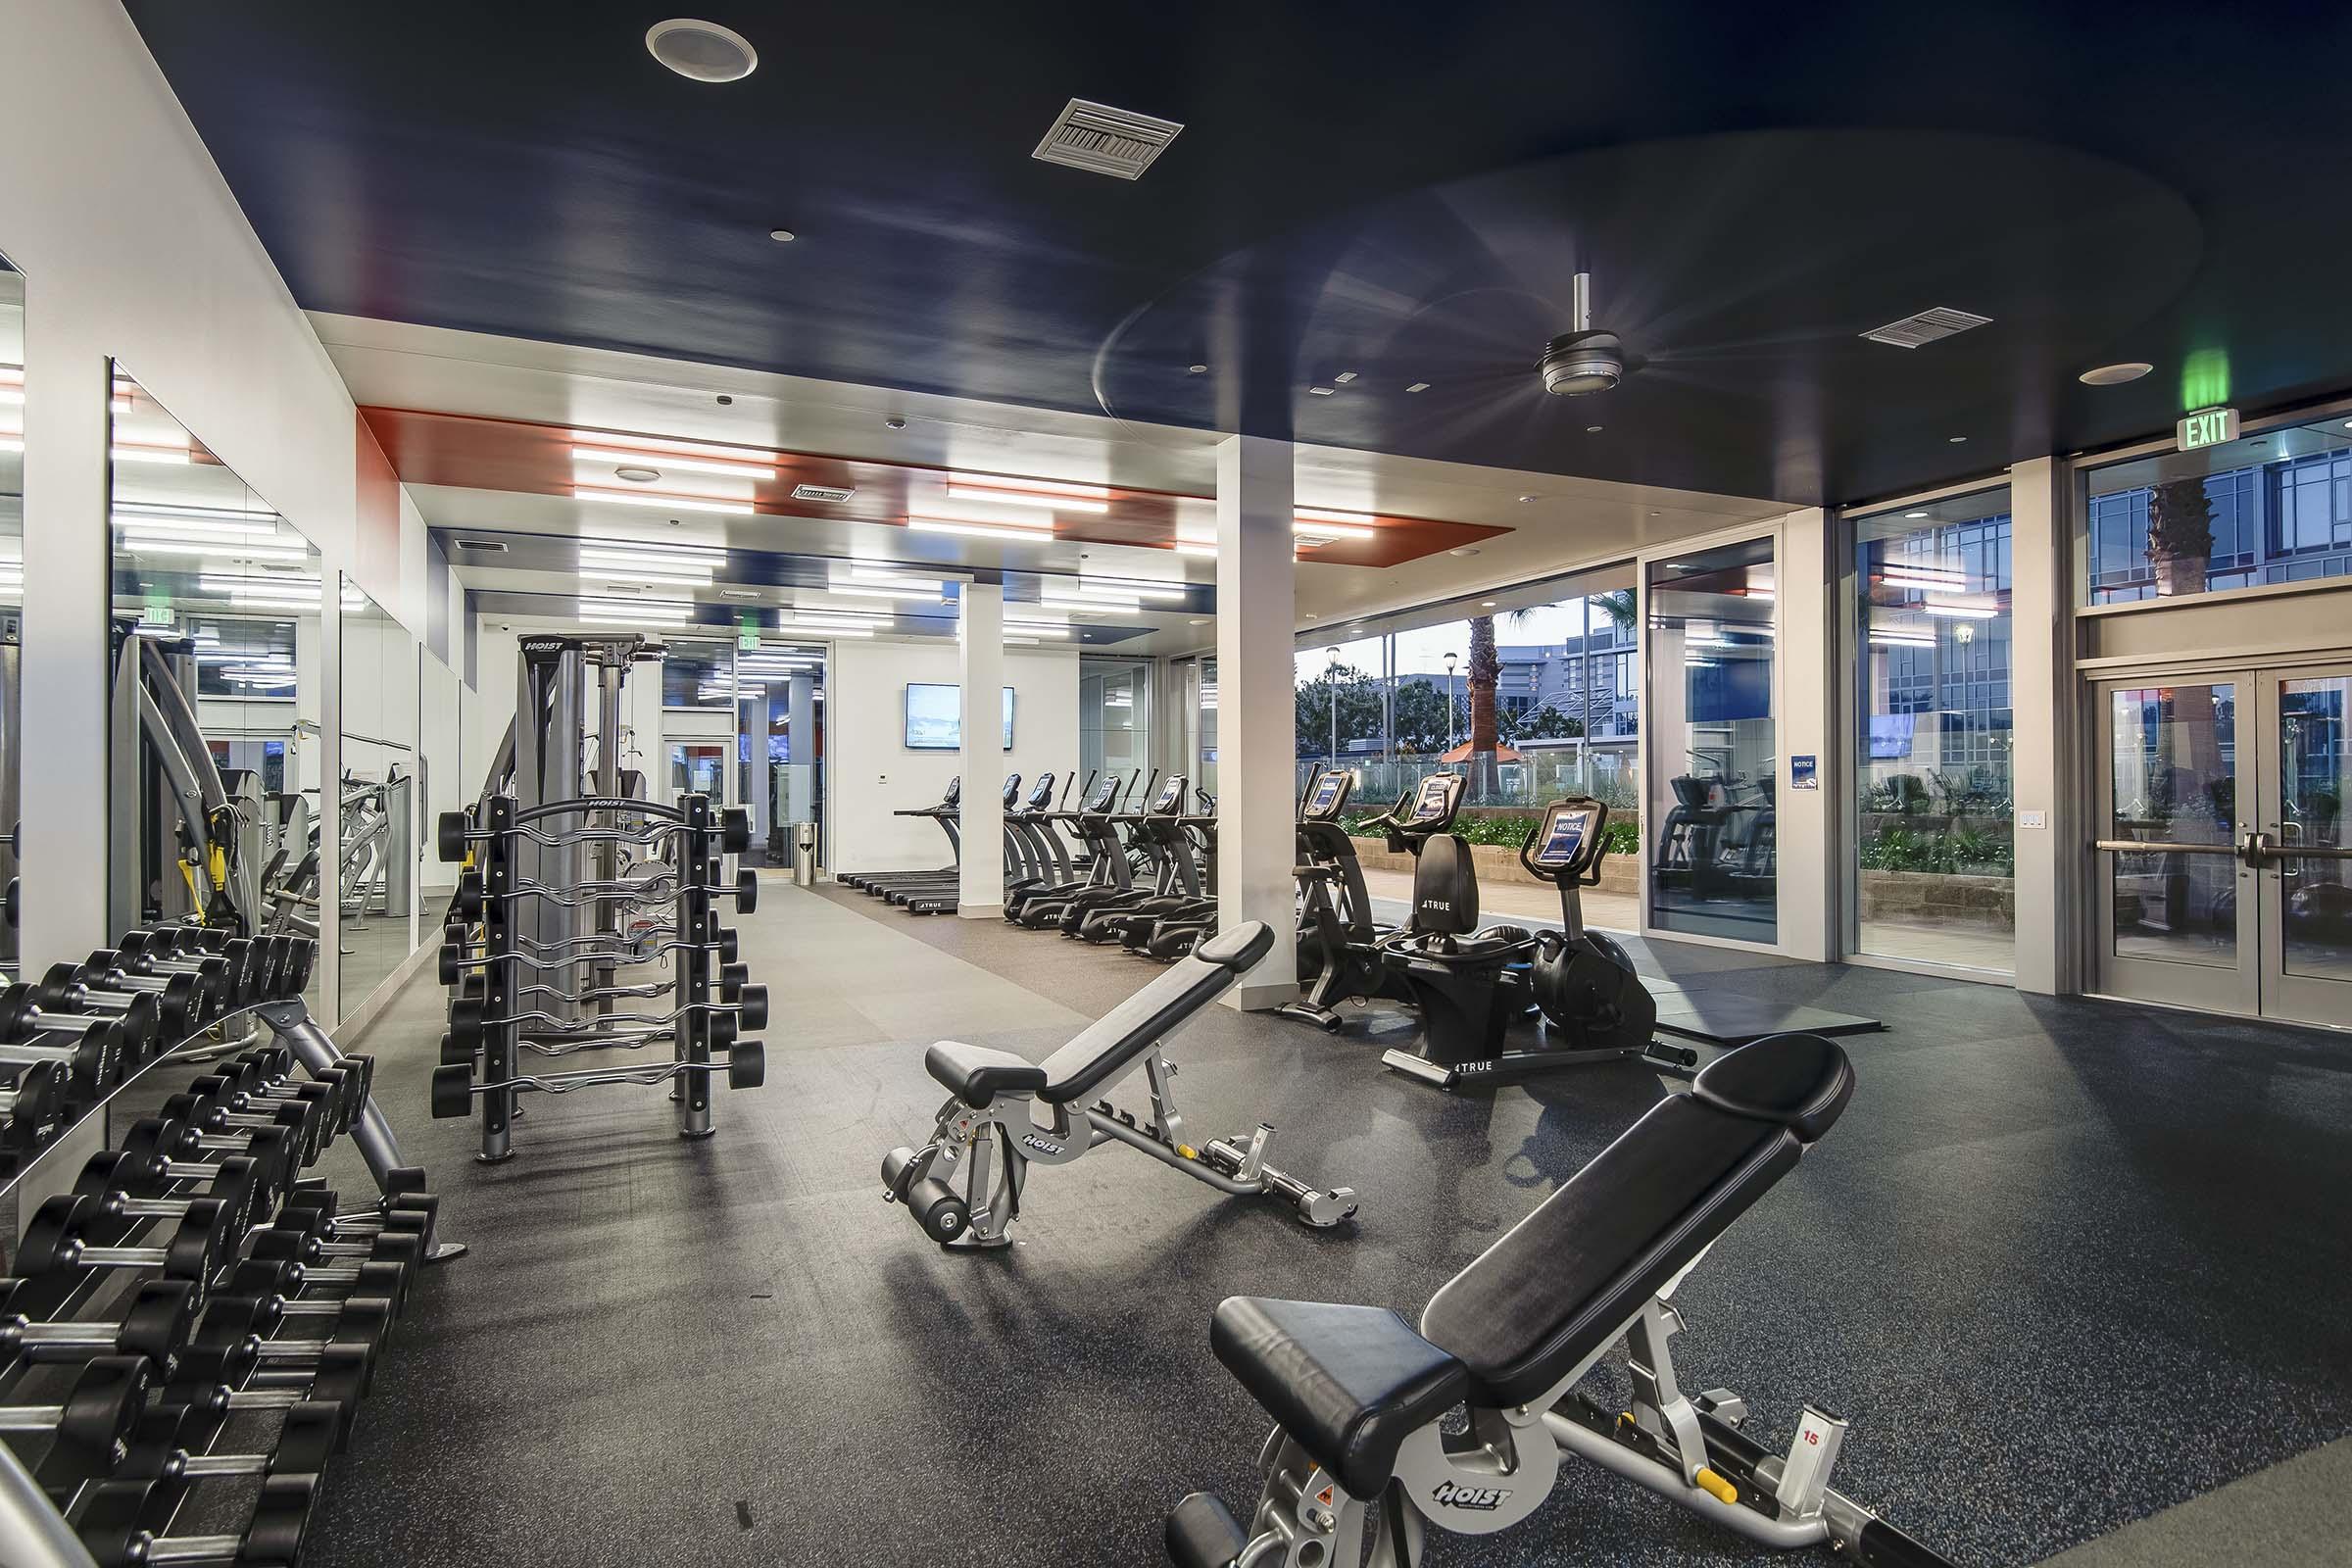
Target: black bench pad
[(977, 1075), (1348, 1383)]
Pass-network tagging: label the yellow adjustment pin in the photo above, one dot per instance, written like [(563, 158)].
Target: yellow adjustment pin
[(1716, 1487), (1188, 1150)]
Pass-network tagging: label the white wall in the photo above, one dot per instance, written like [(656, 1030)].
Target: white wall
[(134, 248), (874, 774)]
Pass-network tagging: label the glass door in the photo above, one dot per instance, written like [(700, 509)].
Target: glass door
[(2301, 864), (2224, 879), (2177, 927)]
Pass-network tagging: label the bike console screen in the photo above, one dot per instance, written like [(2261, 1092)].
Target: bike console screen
[(1567, 828), (1435, 802)]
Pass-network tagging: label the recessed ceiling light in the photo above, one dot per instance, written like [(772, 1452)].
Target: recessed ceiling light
[(1913, 516), (702, 51), (1196, 369), (782, 236), (1418, 386), (1343, 378), (1486, 604), (1320, 391), (1464, 550), (1196, 623), (1592, 430), (1523, 500), (2115, 375), (1955, 439), (637, 476)]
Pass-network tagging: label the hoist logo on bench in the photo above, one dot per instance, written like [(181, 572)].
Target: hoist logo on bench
[(1034, 1142), (1478, 1500)]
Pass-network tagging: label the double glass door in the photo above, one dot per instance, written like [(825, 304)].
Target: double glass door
[(2224, 872)]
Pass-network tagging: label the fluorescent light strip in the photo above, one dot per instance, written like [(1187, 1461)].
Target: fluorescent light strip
[(659, 503), (982, 530), (1326, 515), (659, 615), (646, 446), (862, 591), (633, 560), (1060, 488), (667, 548), (1324, 532), (614, 457), (813, 630), (1011, 517), (1134, 587), (183, 509), (968, 492), (1893, 639), (218, 549), (1960, 611), (179, 457), (889, 574), (197, 527), (1031, 630)]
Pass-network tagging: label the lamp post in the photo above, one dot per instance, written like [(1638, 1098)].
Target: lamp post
[(1331, 677), (1449, 662)]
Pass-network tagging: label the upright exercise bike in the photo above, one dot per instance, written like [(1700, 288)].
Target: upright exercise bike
[(1594, 1004)]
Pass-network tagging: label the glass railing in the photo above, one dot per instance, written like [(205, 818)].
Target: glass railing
[(1539, 777)]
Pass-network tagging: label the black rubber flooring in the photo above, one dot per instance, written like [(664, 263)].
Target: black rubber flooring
[(2062, 1265)]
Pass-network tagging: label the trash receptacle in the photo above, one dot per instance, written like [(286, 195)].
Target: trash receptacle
[(804, 854)]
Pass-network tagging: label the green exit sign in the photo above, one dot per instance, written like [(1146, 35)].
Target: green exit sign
[(2208, 427)]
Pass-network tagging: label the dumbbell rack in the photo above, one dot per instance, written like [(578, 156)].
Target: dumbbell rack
[(167, 1299), (501, 970)]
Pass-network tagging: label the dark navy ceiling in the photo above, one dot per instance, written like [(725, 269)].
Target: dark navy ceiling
[(1399, 189)]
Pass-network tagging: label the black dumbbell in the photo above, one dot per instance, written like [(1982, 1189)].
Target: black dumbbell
[(300, 1235), (211, 1111), (114, 1526), (187, 1001), (91, 1057), (211, 970), (202, 1240), (23, 1014), (32, 1108), (98, 1415), (252, 1091), (77, 987), (171, 1445), (293, 1283), (275, 1151), (140, 1179), (228, 1349), (155, 1324), (237, 960), (399, 1214)]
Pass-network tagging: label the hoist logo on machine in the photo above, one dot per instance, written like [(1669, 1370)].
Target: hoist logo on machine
[(1482, 1500), (1037, 1143)]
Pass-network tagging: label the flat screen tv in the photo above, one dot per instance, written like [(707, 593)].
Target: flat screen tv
[(935, 717)]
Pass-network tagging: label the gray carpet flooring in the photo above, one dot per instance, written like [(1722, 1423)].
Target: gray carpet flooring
[(2063, 1266)]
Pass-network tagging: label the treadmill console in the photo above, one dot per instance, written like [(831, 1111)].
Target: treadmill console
[(1329, 796), (1013, 790)]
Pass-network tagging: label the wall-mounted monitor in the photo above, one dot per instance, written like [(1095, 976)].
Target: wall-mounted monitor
[(935, 717)]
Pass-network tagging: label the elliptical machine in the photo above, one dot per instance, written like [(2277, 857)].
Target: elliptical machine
[(1337, 936)]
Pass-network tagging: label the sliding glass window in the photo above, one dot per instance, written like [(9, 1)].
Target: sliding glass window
[(1714, 745), (1934, 856)]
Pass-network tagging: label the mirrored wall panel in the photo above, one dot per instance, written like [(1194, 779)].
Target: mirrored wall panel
[(214, 690), (440, 785), (376, 796), (1714, 761), (12, 590)]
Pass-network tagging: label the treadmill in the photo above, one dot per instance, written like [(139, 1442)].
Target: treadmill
[(943, 812), (938, 893)]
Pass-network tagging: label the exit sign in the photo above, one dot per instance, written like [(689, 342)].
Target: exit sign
[(2208, 427)]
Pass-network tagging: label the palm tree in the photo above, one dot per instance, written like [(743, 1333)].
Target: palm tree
[(2180, 550)]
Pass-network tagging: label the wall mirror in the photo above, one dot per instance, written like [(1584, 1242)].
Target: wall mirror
[(440, 785), (12, 588), (376, 795), (214, 689)]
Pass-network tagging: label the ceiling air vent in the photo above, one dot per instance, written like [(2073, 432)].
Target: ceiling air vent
[(488, 547), (821, 492), (1104, 140), (1926, 328)]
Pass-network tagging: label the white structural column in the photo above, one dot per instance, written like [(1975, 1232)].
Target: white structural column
[(1256, 710), (2042, 761), (980, 890), (1806, 576)]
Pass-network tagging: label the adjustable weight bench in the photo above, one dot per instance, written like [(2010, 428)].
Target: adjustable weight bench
[(990, 1130), (1360, 1460)]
